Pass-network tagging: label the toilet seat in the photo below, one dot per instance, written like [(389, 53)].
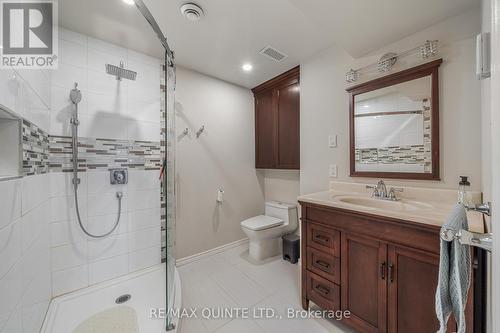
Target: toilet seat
[(261, 222)]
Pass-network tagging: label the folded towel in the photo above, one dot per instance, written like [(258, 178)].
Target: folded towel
[(454, 274)]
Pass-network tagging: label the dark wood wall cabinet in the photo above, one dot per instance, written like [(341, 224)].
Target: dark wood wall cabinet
[(277, 122), (382, 270)]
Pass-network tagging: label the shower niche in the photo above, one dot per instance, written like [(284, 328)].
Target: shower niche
[(10, 144)]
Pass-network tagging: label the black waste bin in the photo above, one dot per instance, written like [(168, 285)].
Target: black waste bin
[(291, 248)]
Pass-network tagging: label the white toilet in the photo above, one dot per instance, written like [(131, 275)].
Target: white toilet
[(265, 231)]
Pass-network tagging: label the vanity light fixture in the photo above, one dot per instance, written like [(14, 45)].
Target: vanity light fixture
[(429, 49), (247, 67), (129, 2), (386, 62), (351, 76), (425, 51)]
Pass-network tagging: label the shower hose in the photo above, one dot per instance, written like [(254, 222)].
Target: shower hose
[(76, 180)]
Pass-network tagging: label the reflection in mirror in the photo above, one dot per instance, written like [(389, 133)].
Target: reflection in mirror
[(392, 127)]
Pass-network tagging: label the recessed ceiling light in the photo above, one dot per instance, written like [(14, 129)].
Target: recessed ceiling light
[(129, 2), (247, 67)]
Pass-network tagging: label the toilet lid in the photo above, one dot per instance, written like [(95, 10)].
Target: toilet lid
[(261, 222)]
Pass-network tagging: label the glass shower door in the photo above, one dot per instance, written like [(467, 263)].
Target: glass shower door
[(168, 188)]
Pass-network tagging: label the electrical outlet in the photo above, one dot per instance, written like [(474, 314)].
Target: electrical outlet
[(333, 171), (332, 140)]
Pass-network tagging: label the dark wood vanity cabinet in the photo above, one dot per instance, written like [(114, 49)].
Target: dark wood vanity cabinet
[(277, 117), (383, 270)]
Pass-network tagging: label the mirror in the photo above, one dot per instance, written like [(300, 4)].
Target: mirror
[(394, 124)]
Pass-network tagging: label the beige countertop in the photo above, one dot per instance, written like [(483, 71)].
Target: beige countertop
[(420, 205)]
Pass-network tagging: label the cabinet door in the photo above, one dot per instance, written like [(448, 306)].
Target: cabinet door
[(265, 130), (364, 282), (412, 279), (288, 105)]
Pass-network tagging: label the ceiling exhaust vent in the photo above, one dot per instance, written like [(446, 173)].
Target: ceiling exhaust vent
[(274, 54)]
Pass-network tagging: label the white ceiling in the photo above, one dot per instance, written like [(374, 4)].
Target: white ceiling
[(234, 31)]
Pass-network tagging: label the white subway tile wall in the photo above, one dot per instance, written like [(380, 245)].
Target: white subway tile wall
[(121, 252), (25, 274), (110, 109), (43, 252)]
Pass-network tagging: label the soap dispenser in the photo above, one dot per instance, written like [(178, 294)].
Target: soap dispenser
[(463, 191)]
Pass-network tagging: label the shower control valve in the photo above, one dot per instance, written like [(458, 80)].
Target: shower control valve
[(118, 176)]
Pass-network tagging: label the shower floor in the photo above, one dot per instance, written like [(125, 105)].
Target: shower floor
[(94, 309)]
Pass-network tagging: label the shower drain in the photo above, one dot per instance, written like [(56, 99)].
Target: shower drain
[(123, 298)]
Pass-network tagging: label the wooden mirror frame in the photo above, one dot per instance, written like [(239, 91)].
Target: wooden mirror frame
[(429, 69)]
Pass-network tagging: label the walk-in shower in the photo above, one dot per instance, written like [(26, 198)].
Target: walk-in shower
[(148, 289)]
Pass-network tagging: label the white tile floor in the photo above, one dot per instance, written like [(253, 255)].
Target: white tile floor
[(229, 280)]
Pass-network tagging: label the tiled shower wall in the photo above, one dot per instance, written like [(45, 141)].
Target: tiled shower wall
[(25, 274), (42, 251), (119, 127)]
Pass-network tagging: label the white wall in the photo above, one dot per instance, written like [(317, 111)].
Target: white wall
[(25, 278), (325, 108), (486, 149), (281, 185), (111, 109), (222, 157)]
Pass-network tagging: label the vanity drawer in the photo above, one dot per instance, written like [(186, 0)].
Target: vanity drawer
[(324, 293), (324, 265), (323, 239)]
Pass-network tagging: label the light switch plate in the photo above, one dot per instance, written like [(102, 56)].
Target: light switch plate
[(333, 171), (332, 140)]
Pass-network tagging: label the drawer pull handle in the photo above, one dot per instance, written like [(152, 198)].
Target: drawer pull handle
[(323, 264), (391, 272), (382, 270), (322, 239), (322, 289)]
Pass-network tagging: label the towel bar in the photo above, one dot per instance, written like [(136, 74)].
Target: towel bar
[(484, 241), (484, 208)]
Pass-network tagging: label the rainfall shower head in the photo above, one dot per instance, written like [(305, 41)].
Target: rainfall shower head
[(120, 72)]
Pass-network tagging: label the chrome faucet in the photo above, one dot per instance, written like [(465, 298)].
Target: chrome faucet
[(380, 191)]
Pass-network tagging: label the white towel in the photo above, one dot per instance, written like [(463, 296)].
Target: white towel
[(454, 274)]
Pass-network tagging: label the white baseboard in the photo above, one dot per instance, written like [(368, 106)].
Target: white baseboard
[(208, 253)]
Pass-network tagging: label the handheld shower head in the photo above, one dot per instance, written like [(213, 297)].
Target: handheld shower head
[(75, 95)]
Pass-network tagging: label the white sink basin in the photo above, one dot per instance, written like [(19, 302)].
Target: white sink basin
[(383, 204)]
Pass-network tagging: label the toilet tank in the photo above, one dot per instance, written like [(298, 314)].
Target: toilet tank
[(285, 211)]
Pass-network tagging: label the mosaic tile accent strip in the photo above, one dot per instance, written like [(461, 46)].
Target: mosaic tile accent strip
[(103, 154), (35, 149), (426, 105), (392, 155), (168, 152), (163, 216)]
